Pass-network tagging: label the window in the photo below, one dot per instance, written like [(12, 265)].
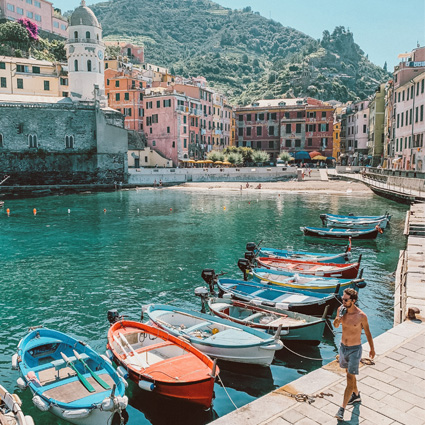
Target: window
[(75, 65), (3, 83), (158, 103), (260, 117), (117, 97), (36, 70), (174, 144), (2, 65), (184, 129), (300, 114), (248, 131), (21, 68), (19, 11), (288, 143), (37, 18), (324, 114), (287, 115), (185, 143), (248, 117), (298, 128), (240, 118), (402, 95), (10, 7), (184, 119), (271, 130), (167, 103), (55, 24), (364, 128), (20, 83), (30, 15), (63, 27), (324, 127), (63, 81), (29, 1), (422, 112), (324, 142), (402, 119), (89, 65), (273, 116), (297, 143), (32, 141), (153, 143), (259, 131), (88, 34), (126, 96), (258, 145), (422, 85), (240, 131), (399, 96), (69, 142), (168, 131), (311, 127), (117, 83), (271, 144), (288, 128), (309, 142), (46, 85), (155, 119)]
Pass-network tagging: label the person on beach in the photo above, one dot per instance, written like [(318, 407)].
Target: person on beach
[(154, 183), (160, 183), (353, 320)]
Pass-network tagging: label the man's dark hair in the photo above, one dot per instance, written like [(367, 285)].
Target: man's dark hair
[(352, 293)]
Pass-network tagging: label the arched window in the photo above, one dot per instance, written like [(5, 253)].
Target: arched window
[(69, 142), (89, 65), (87, 34), (76, 35), (153, 143), (76, 65), (32, 141), (97, 37), (1, 140)]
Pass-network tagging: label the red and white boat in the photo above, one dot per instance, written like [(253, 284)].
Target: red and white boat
[(162, 363), (343, 271)]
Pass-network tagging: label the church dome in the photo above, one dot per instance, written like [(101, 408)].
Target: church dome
[(83, 15)]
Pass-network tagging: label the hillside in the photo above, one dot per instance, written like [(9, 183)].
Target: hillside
[(240, 52)]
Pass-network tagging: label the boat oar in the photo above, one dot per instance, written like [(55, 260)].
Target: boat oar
[(135, 353), (99, 380), (83, 380)]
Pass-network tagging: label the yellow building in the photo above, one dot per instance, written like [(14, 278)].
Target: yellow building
[(336, 151), (33, 77)]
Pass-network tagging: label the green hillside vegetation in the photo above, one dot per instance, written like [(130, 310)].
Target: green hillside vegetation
[(241, 53)]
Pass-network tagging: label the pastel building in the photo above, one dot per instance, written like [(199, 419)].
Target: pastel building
[(376, 127), (33, 77), (39, 11), (134, 53)]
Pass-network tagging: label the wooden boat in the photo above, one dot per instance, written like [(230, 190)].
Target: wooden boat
[(10, 409), (257, 293), (320, 257), (69, 379), (307, 283), (313, 268), (353, 222), (218, 338), (159, 362), (294, 326), (386, 216), (323, 232)]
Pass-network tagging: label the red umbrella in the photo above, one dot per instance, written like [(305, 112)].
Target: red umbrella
[(314, 153)]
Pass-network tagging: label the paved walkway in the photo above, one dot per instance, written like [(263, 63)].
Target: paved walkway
[(392, 390)]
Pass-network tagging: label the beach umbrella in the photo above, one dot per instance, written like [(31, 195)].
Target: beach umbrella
[(208, 161), (314, 153), (192, 161), (218, 162), (200, 161), (227, 163), (302, 155), (319, 158)]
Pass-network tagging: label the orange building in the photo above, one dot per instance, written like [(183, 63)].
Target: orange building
[(124, 90)]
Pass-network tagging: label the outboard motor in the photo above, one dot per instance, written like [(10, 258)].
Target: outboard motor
[(323, 218), (244, 265), (250, 256), (203, 294), (209, 277), (113, 316), (251, 246)]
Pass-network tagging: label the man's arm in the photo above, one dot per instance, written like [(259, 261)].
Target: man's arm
[(337, 320), (365, 325)]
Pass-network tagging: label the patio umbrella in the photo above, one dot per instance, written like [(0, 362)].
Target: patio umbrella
[(320, 158), (331, 158), (208, 161), (302, 155), (192, 161), (218, 162), (314, 153), (200, 161), (227, 163)]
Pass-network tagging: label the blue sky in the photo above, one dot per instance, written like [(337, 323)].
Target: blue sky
[(382, 28)]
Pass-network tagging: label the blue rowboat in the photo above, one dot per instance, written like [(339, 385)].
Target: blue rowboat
[(256, 293), (294, 326), (298, 282), (319, 257), (69, 379), (215, 337), (323, 232), (352, 222)]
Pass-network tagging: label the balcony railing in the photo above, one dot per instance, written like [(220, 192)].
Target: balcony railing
[(85, 40)]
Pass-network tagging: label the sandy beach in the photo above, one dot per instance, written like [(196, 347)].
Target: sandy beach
[(306, 186)]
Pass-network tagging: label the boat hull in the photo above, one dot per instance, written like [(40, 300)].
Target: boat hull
[(347, 224), (350, 233)]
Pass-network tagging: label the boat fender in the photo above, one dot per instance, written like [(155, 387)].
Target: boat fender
[(361, 285), (76, 414), (122, 372), (124, 382), (107, 404), (15, 361), (227, 296), (40, 403), (16, 399), (282, 306), (122, 402), (29, 420), (146, 385), (21, 383), (106, 358)]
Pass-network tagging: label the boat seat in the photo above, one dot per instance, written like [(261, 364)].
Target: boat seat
[(196, 327), (253, 316), (154, 346), (60, 363)]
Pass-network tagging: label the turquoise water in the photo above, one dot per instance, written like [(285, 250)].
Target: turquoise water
[(65, 270)]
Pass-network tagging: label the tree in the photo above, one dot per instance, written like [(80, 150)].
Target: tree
[(13, 33), (235, 158), (244, 58), (285, 156), (385, 66), (260, 157)]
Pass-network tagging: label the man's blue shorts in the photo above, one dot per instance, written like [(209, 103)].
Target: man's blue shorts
[(349, 358)]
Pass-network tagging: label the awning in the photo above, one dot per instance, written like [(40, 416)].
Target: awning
[(319, 158), (302, 155)]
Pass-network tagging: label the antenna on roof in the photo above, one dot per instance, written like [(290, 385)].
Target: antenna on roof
[(83, 2)]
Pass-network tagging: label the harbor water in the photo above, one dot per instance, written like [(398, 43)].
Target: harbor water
[(81, 255)]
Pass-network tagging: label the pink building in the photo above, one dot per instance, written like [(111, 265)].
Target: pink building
[(136, 54), (39, 11)]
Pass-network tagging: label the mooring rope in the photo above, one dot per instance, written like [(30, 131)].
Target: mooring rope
[(306, 357), (224, 388)]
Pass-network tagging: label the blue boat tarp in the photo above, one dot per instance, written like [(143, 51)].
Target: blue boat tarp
[(302, 155)]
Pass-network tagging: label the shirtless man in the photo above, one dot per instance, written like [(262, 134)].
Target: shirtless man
[(350, 352)]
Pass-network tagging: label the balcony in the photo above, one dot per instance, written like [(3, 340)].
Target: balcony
[(85, 40)]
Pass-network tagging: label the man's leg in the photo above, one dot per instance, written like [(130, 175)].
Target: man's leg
[(351, 387)]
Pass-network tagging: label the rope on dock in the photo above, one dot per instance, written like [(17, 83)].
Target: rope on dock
[(224, 388), (305, 357), (301, 397)]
